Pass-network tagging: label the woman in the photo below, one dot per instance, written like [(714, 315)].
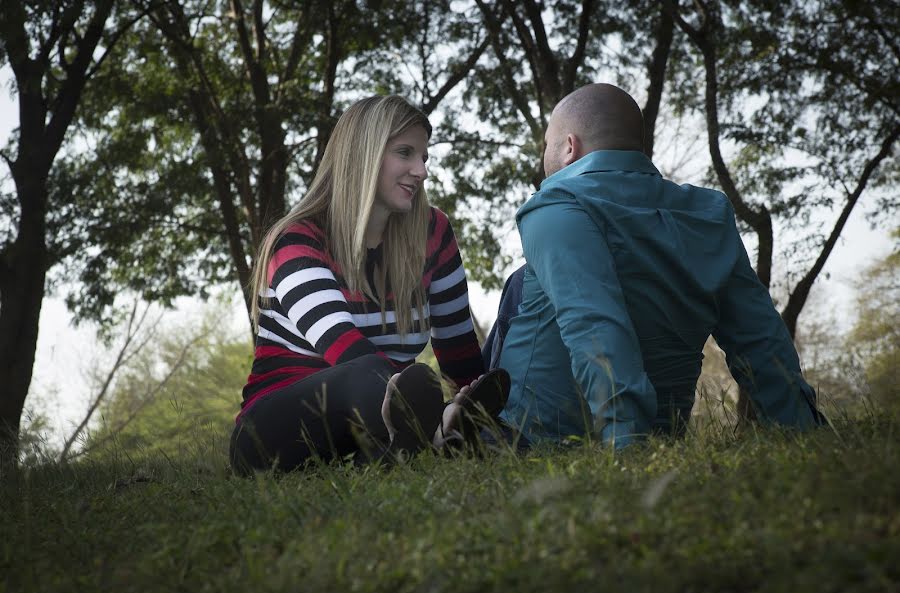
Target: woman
[(350, 284)]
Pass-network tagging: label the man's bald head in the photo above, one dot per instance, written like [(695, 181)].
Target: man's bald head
[(594, 117)]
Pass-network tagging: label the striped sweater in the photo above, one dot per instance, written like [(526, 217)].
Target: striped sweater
[(311, 320)]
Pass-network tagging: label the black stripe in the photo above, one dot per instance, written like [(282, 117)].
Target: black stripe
[(298, 238), (304, 290), (389, 329), (331, 335), (449, 319), (446, 239), (319, 312), (454, 342), (448, 267), (414, 349), (357, 349), (448, 294), (264, 366), (294, 265)]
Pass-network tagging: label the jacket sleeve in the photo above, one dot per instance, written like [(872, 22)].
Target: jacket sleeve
[(759, 351), (571, 260)]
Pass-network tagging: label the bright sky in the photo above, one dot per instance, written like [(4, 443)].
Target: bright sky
[(65, 353)]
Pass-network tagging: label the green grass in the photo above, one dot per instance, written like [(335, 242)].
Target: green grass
[(760, 511)]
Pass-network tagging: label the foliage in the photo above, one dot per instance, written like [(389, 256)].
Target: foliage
[(862, 363), (875, 338), (714, 512), (204, 372), (806, 94)]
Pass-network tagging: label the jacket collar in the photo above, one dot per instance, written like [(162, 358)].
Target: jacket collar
[(605, 160)]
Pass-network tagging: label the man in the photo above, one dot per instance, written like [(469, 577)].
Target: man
[(626, 276)]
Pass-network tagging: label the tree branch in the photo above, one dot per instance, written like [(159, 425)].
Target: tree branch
[(148, 397), (297, 44), (131, 331), (457, 76), (117, 35), (527, 45), (575, 62), (68, 96), (664, 34), (759, 219), (519, 100), (801, 292)]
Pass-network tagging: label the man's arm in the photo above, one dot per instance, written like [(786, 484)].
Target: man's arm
[(571, 260), (759, 351)]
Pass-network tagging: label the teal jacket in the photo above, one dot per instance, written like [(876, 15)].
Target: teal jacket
[(626, 276)]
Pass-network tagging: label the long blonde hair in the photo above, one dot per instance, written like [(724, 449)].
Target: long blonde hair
[(340, 199)]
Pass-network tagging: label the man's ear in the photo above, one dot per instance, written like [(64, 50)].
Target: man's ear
[(574, 149)]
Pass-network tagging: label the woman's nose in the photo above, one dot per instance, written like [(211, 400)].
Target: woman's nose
[(419, 170)]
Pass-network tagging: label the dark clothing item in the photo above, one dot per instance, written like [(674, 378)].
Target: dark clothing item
[(509, 308), (626, 276), (331, 414)]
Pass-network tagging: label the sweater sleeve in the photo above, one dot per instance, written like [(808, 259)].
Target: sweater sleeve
[(302, 280), (453, 336)]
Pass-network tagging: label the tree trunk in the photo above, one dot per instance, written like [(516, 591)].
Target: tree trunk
[(656, 72), (21, 296)]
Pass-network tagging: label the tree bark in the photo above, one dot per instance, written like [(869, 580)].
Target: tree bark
[(25, 261), (21, 296), (656, 72)]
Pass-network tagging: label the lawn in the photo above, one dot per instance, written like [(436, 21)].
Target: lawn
[(758, 511)]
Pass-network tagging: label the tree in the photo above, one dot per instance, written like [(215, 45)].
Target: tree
[(875, 338), (824, 77), (213, 119), (539, 52), (54, 51)]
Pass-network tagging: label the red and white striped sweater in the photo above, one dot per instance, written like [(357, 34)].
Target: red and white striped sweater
[(313, 321)]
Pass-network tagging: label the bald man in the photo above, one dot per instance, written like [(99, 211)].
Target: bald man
[(626, 276)]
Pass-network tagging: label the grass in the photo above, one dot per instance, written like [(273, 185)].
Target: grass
[(759, 511)]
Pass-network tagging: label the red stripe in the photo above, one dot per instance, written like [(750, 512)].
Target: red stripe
[(292, 370), (339, 346), (447, 254), (267, 351), (263, 392), (289, 252), (440, 226), (306, 227)]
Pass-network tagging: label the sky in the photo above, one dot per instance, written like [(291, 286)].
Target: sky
[(66, 354)]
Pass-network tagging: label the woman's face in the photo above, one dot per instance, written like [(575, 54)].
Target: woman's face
[(402, 170)]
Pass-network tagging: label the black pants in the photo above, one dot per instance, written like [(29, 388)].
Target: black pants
[(333, 413)]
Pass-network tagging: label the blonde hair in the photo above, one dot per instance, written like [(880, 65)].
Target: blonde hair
[(340, 200)]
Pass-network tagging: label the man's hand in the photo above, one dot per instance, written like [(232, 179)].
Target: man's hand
[(386, 405), (447, 431)]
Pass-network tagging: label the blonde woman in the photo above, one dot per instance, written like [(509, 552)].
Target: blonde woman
[(351, 284)]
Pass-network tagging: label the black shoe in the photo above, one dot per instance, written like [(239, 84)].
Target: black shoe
[(415, 407), (482, 405)]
